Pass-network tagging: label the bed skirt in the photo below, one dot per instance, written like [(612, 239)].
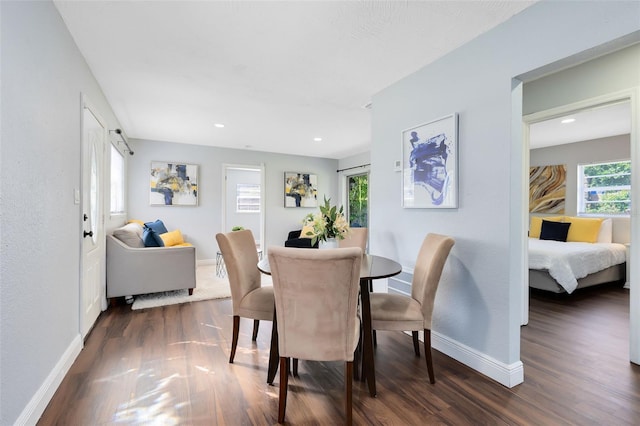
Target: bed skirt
[(543, 281)]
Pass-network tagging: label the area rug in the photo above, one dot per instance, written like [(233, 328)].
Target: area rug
[(208, 286)]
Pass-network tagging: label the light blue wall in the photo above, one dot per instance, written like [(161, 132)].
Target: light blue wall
[(43, 77), (478, 304), (200, 224)]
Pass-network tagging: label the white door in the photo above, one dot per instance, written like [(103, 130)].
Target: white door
[(93, 136)]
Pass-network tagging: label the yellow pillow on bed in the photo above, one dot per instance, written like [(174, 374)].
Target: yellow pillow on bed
[(536, 224), (583, 229)]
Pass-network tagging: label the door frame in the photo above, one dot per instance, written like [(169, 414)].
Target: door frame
[(86, 103), (633, 96), (263, 196)]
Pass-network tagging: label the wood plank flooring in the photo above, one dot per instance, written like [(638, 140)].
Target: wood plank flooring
[(169, 366)]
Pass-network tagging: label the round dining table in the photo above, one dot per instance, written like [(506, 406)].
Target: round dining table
[(372, 268)]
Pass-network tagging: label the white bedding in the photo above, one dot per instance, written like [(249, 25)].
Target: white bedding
[(567, 262)]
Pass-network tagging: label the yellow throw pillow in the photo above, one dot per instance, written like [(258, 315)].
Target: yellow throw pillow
[(172, 238), (583, 229), (139, 222), (305, 230), (536, 224)]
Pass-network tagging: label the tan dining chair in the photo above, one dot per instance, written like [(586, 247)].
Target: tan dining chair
[(316, 293), (404, 313), (357, 238), (248, 298)]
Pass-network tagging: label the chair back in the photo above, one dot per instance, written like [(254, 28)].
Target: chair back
[(240, 256), (316, 295), (426, 276), (357, 238)]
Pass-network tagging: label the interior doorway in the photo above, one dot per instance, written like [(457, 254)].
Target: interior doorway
[(625, 99), (243, 200)]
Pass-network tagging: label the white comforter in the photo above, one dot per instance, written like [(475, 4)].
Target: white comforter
[(567, 262)]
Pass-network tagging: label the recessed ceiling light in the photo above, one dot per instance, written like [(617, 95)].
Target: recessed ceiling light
[(219, 125), (568, 120), (317, 139)]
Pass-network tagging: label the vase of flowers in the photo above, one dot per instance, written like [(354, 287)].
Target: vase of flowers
[(326, 226)]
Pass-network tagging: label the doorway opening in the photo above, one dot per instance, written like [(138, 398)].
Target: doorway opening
[(243, 200), (586, 152)]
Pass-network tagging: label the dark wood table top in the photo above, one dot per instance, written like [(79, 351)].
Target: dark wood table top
[(372, 267)]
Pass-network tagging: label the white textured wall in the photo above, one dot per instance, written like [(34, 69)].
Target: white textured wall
[(478, 305), (614, 148), (200, 224), (43, 76)]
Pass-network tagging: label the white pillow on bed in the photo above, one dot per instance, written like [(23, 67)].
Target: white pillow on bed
[(606, 231)]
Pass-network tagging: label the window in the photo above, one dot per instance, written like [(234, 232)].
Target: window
[(604, 188), (358, 207), (117, 181), (247, 198)]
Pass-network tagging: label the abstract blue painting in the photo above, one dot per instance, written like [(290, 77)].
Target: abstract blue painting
[(430, 164)]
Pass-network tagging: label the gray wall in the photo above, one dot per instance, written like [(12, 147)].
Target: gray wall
[(478, 306), (200, 224), (614, 148), (43, 77), (607, 74)]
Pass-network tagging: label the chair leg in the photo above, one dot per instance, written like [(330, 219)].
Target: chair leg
[(375, 339), (416, 344), (295, 367), (256, 324), (348, 380), (234, 339), (284, 381), (427, 352)]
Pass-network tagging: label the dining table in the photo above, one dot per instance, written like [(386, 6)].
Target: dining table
[(372, 267)]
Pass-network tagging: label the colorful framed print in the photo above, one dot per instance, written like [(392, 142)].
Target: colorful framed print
[(173, 184), (300, 189), (430, 164)]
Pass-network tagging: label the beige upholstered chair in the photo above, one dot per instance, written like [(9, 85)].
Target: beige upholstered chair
[(316, 294), (248, 297), (402, 313), (357, 238)]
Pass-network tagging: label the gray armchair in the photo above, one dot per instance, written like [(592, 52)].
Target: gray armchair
[(142, 270)]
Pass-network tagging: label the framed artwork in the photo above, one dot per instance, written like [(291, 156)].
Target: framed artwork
[(547, 189), (173, 184), (430, 164), (300, 189)]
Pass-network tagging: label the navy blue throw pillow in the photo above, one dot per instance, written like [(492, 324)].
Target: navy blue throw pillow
[(151, 238), (157, 226), (556, 231)]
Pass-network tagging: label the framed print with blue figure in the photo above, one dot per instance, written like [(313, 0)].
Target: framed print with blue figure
[(430, 164)]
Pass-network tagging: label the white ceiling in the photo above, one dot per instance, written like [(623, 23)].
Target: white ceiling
[(277, 74), (592, 123)]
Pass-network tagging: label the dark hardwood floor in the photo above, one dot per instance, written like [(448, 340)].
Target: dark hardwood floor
[(170, 366)]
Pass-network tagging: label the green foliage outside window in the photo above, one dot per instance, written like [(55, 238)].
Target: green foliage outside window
[(606, 188), (358, 200)]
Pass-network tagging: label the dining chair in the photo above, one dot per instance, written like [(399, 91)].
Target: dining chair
[(248, 298), (316, 294), (357, 238), (403, 313)]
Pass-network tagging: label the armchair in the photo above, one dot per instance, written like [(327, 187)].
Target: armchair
[(294, 240)]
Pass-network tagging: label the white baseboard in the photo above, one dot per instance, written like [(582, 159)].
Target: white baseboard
[(34, 409), (508, 375)]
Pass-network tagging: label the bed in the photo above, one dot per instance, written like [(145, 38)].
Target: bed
[(563, 267)]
